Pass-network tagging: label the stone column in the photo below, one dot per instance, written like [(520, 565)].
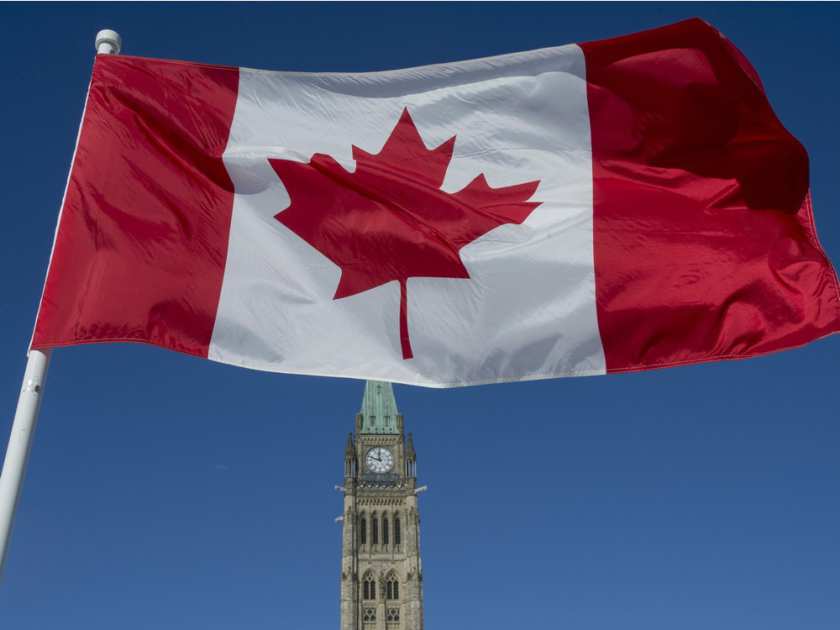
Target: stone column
[(412, 595), (349, 574)]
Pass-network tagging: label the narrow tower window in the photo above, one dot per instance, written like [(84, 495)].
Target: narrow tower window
[(374, 530), (393, 588), (384, 529), (363, 530), (369, 587), (397, 533)]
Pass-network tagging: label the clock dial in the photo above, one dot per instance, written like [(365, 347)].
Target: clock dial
[(379, 460)]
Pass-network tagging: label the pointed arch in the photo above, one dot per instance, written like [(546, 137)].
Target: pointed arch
[(397, 529), (362, 529)]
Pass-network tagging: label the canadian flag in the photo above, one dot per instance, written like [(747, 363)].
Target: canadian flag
[(619, 205)]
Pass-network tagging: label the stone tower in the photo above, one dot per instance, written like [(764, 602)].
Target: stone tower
[(381, 571)]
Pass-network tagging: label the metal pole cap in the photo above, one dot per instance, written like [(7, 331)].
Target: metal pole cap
[(108, 42)]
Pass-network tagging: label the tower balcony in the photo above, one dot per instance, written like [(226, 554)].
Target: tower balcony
[(382, 480)]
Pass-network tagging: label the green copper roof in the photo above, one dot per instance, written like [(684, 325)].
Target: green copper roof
[(379, 408)]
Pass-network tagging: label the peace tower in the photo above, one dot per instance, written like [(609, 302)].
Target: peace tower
[(381, 571)]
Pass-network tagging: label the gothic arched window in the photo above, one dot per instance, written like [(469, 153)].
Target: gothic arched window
[(397, 532), (384, 529), (392, 588), (369, 587), (374, 529), (363, 530)]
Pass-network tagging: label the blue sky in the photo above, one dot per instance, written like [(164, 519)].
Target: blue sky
[(168, 492)]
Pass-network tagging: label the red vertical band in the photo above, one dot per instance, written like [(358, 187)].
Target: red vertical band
[(704, 243), (142, 241)]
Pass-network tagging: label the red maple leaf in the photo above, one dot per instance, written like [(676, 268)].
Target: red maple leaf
[(388, 220)]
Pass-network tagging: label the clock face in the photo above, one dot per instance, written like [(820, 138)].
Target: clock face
[(379, 460)]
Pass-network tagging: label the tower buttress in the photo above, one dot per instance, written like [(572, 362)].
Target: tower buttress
[(349, 458)]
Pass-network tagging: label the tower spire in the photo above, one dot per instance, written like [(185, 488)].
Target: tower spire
[(379, 408)]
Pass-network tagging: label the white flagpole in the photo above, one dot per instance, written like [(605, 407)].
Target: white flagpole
[(31, 393), (20, 440)]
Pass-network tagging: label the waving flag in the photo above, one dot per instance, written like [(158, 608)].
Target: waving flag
[(619, 205)]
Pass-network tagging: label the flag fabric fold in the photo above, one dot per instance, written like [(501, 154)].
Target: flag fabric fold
[(625, 204)]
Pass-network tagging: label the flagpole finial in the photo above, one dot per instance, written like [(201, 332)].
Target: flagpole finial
[(108, 42)]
